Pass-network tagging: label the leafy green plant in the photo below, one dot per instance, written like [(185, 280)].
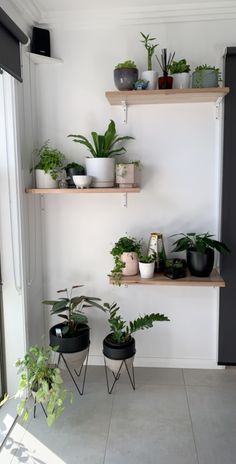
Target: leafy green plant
[(103, 146), (123, 245), (204, 67), (70, 309), (50, 160), (121, 331), (147, 259), (43, 380), (126, 64), (175, 263), (74, 165), (180, 66), (198, 242), (150, 47)]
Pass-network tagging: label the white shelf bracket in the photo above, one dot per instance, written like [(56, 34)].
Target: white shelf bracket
[(124, 112), (125, 200), (42, 202), (218, 108)]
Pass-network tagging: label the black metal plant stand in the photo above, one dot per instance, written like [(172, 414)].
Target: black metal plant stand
[(117, 376), (78, 374)]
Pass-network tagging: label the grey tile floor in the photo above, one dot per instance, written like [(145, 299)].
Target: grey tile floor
[(175, 416)]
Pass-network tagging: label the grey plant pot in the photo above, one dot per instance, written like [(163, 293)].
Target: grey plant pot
[(125, 78), (205, 79)]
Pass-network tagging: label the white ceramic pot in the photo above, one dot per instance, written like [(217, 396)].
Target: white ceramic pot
[(114, 364), (131, 263), (152, 77), (44, 180), (146, 270), (181, 80), (126, 174), (75, 360), (102, 171), (82, 181)]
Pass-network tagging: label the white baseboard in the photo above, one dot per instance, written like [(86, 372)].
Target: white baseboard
[(180, 363)]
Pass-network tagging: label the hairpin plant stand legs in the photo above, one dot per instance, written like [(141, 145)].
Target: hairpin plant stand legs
[(83, 367), (35, 407), (116, 376)]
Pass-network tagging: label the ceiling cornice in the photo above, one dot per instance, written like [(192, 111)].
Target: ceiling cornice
[(96, 18)]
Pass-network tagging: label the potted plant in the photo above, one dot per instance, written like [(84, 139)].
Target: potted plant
[(206, 76), (72, 335), (101, 166), (73, 169), (149, 75), (147, 265), (200, 251), (175, 268), (125, 75), (125, 253), (49, 166), (180, 71), (127, 174), (119, 345), (43, 381)]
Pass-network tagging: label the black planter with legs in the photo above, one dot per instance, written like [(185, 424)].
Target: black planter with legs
[(72, 343)]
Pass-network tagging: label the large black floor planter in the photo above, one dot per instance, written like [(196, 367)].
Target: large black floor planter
[(119, 358), (200, 264), (73, 350)]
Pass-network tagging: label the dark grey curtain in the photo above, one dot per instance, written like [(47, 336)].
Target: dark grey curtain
[(10, 38)]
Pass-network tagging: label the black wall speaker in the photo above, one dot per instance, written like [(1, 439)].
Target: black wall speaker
[(40, 42)]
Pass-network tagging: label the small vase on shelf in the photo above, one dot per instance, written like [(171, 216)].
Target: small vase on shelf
[(165, 82)]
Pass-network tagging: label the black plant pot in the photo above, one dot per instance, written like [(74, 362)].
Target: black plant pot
[(76, 171), (70, 344), (125, 78), (118, 351), (200, 264), (176, 268)]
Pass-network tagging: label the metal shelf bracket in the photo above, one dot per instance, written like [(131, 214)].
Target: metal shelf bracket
[(125, 200), (218, 108), (124, 112)]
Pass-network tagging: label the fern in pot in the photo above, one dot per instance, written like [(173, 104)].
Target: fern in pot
[(119, 344), (48, 167), (102, 147)]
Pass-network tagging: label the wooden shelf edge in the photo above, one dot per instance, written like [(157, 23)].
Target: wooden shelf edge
[(214, 280), (83, 191), (136, 97)]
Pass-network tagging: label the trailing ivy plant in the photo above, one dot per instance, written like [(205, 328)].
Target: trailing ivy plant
[(103, 146), (50, 160), (70, 309), (150, 47), (205, 67), (121, 331), (43, 380), (123, 245)]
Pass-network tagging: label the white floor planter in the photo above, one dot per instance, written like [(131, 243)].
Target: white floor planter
[(146, 270), (102, 171), (126, 175), (114, 364), (75, 360), (131, 263), (44, 180), (152, 77), (181, 80)]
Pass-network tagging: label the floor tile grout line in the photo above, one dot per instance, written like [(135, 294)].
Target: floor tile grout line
[(109, 427), (190, 416)]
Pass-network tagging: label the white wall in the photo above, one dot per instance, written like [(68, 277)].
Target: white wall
[(178, 147)]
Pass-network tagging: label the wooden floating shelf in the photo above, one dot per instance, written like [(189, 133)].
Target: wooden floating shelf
[(214, 280), (41, 59), (84, 190), (147, 97)]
